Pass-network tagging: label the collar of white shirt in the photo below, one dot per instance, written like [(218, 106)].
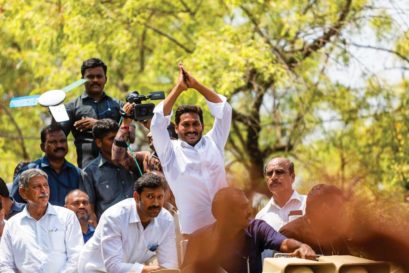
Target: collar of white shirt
[(295, 196), (50, 210), (198, 145)]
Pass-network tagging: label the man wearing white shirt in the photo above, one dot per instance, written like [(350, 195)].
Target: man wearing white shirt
[(194, 164), (131, 232), (285, 204), (42, 238)]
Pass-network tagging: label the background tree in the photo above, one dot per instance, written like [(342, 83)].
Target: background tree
[(274, 60)]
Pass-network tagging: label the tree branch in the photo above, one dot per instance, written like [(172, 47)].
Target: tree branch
[(406, 59), (169, 37), (334, 30)]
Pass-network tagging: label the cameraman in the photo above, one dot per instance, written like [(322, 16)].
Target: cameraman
[(85, 110)]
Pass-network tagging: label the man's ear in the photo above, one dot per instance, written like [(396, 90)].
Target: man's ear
[(42, 146), (22, 192), (136, 196), (98, 142)]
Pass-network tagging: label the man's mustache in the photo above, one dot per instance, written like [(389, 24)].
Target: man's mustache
[(154, 207)]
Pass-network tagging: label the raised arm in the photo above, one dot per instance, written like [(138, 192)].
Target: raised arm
[(120, 155)]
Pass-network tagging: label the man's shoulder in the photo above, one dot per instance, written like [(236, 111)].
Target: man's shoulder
[(119, 209), (72, 166), (264, 210), (92, 165), (61, 212)]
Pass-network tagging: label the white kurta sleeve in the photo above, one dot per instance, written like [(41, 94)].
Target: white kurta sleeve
[(222, 113)]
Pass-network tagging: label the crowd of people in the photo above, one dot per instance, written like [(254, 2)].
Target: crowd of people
[(121, 210)]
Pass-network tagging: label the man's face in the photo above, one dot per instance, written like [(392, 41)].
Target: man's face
[(278, 177), (55, 145), (105, 144), (78, 202), (190, 128), (150, 202), (239, 215), (96, 80), (37, 193)]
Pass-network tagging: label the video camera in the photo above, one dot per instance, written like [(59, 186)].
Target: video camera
[(142, 112)]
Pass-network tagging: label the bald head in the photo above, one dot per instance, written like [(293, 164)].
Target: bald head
[(78, 202), (231, 207)]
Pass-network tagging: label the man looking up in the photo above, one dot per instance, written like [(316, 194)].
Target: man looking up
[(194, 164), (105, 182), (85, 110), (285, 204), (78, 202), (63, 176), (43, 237), (131, 232)]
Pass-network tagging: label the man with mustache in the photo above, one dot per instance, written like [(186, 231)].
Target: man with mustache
[(193, 164), (78, 202), (43, 237), (85, 110), (285, 204), (63, 176), (131, 232)]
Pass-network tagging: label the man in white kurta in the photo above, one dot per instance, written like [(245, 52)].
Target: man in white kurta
[(194, 164), (131, 232), (42, 238)]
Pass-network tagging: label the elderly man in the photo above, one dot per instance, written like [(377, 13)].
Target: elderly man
[(285, 204), (63, 176), (194, 164), (78, 202), (131, 232), (234, 242), (43, 237)]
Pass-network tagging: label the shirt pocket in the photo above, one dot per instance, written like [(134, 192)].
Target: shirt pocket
[(108, 189)]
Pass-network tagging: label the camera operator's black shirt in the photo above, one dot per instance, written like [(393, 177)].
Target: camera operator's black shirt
[(85, 106)]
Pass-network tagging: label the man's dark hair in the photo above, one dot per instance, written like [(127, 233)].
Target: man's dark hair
[(149, 180), (91, 63), (55, 127), (103, 127), (4, 191), (188, 109)]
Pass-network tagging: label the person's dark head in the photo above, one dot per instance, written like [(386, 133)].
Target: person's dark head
[(95, 71), (231, 208), (279, 176), (149, 195), (54, 142), (104, 132), (78, 202), (33, 187), (189, 123), (171, 132), (326, 207), (4, 191)]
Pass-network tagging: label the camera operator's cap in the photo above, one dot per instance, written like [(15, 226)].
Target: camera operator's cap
[(4, 191)]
